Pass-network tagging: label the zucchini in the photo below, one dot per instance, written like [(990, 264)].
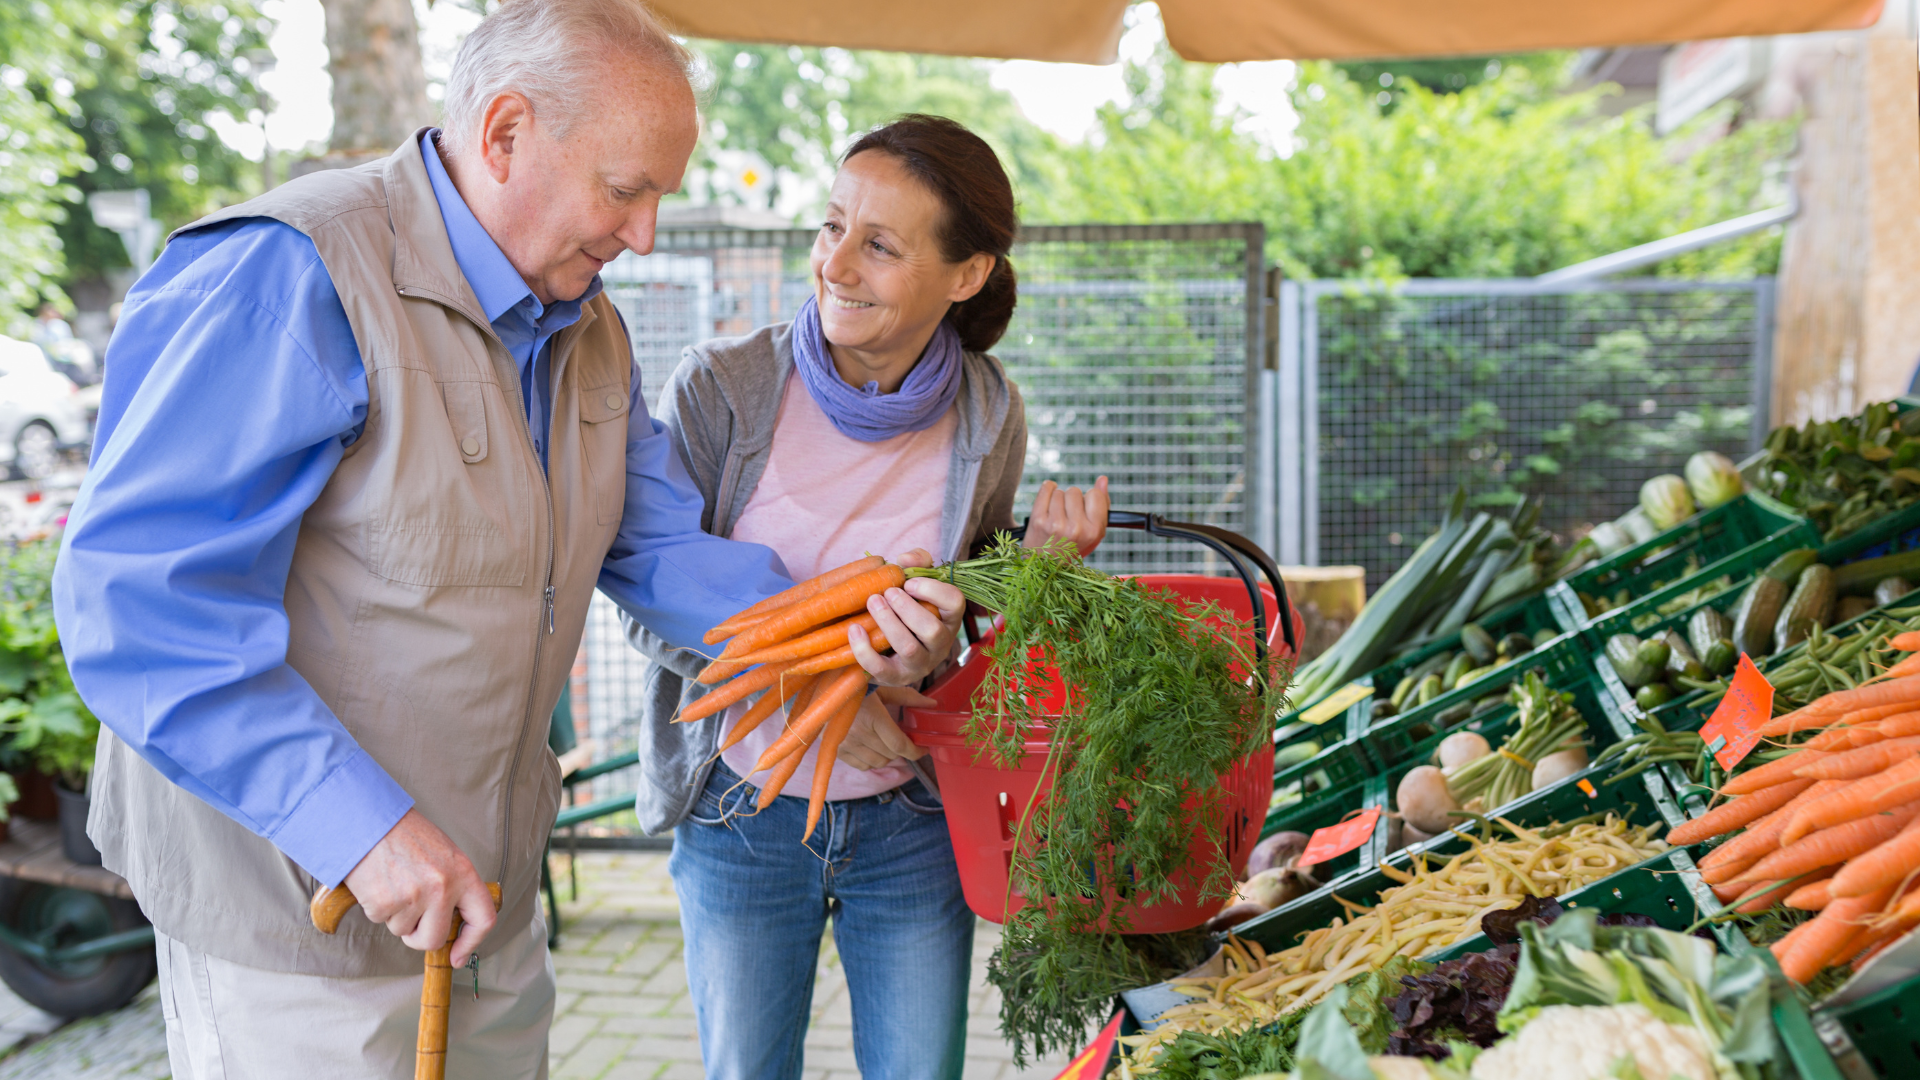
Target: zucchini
[(1851, 607), (1298, 754), (1478, 643), (1469, 677), (1862, 576), (1450, 678), (1489, 703), (1623, 652), (1400, 691), (1453, 714), (1890, 589), (1810, 605), (1428, 689), (1652, 696), (1720, 657), (1384, 709), (1544, 635), (1514, 645), (1680, 658), (1755, 614), (1706, 627)]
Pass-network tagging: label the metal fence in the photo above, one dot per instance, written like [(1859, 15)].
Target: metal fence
[(1136, 349), (1385, 400)]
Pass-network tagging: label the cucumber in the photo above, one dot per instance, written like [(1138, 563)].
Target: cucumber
[(1720, 657), (1623, 652), (1384, 709), (1428, 689), (1489, 703), (1450, 678), (1544, 635), (1453, 714), (1401, 690), (1654, 653), (1809, 605), (1478, 643), (1652, 696), (1755, 614), (1680, 658), (1890, 589), (1851, 607), (1706, 627), (1296, 754), (1515, 645)]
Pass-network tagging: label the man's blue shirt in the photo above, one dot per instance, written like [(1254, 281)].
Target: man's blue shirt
[(234, 387)]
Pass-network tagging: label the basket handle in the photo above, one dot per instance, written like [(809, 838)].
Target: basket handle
[(1230, 546)]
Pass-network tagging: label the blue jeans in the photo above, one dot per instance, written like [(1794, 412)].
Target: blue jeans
[(753, 907)]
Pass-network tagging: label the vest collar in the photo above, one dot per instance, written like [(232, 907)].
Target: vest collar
[(423, 261)]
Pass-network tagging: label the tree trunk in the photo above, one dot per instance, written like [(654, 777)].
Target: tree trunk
[(379, 83)]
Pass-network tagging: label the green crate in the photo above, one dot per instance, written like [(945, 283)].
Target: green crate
[(1400, 738), (1329, 807), (1528, 616), (1665, 888), (1283, 926), (1740, 567), (1704, 538), (1885, 1029)]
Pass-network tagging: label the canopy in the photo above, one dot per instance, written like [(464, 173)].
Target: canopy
[(1220, 31)]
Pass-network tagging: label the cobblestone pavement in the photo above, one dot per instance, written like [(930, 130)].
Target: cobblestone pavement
[(622, 1014)]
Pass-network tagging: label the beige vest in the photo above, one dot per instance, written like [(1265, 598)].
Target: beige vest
[(438, 591)]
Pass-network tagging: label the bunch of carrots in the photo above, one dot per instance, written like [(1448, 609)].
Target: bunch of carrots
[(795, 647), (1833, 827)]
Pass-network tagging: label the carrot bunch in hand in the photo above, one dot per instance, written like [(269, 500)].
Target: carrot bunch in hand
[(795, 646), (1833, 827)]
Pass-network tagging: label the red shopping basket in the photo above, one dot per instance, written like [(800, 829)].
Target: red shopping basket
[(986, 803)]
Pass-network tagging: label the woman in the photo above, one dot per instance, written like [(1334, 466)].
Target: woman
[(873, 422)]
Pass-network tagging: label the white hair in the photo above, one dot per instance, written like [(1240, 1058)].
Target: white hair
[(555, 53)]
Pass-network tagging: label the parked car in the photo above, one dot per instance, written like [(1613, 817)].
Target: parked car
[(42, 412)]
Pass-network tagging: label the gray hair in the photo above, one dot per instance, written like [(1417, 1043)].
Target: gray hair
[(554, 52)]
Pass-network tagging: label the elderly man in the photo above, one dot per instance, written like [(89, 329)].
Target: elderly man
[(369, 445)]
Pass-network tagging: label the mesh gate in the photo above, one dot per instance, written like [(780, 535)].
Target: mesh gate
[(1577, 393), (1136, 349)]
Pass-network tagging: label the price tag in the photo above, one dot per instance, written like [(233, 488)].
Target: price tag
[(1335, 703), (1336, 840), (1734, 728)]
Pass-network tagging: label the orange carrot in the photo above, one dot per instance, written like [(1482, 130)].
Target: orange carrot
[(1900, 726), (1887, 864), (1813, 896), (1773, 772), (1726, 861), (1728, 893), (783, 771), (1863, 761), (1791, 723), (1839, 739), (811, 587), (1906, 688), (1736, 813), (1833, 845), (1868, 716), (1908, 666), (758, 679), (1906, 641), (1829, 934), (829, 638), (790, 687), (833, 692), (836, 730), (1759, 896), (1897, 786), (1909, 907), (1784, 945), (843, 599)]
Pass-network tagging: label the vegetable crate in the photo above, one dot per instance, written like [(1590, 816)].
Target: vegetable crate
[(1882, 1029), (1738, 567), (1408, 737), (987, 806), (1311, 765), (1635, 801), (1532, 617), (1703, 539)]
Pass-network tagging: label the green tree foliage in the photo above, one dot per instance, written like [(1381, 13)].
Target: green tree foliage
[(37, 148), (1504, 178), (152, 81)]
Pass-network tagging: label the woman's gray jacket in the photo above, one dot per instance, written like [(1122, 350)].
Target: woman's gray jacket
[(720, 406)]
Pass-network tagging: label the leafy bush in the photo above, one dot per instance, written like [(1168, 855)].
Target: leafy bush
[(43, 720)]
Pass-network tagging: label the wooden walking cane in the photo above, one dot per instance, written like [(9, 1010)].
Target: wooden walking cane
[(430, 1051)]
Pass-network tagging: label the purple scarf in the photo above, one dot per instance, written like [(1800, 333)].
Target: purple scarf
[(864, 413)]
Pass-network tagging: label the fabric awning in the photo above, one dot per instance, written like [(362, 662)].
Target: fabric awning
[(1088, 31)]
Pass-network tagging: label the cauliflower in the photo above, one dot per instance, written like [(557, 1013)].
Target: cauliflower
[(1587, 1042)]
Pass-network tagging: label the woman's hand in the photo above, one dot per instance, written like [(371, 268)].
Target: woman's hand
[(1069, 515), (875, 740), (920, 639)]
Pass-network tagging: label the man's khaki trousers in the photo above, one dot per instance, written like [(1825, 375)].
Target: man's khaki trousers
[(228, 1022)]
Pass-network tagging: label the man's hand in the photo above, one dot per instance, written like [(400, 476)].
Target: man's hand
[(1069, 514), (414, 879), (875, 740), (920, 640)]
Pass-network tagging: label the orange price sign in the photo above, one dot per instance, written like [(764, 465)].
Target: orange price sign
[(1336, 840), (1734, 728)]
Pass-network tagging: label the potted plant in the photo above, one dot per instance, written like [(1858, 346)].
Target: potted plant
[(42, 718)]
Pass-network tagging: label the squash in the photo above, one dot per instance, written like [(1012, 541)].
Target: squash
[(1667, 501)]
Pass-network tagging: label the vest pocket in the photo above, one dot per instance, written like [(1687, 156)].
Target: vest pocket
[(603, 431), (467, 412)]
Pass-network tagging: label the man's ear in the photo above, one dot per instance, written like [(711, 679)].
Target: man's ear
[(507, 117)]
